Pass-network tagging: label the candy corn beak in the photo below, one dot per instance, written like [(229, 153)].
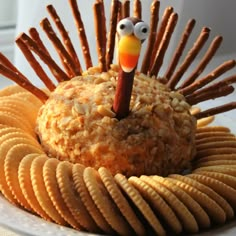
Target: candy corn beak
[(129, 49)]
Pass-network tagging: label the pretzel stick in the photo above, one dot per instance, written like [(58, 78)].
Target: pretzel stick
[(99, 22), (36, 37), (35, 65), (21, 81), (112, 33), (165, 18), (158, 61), (153, 28), (180, 48), (59, 74), (65, 36), (214, 87), (193, 52), (125, 9), (81, 32), (211, 94), (66, 59), (205, 60), (119, 16), (137, 12), (4, 60), (208, 78), (216, 110)]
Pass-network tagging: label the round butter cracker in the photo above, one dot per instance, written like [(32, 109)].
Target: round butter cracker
[(104, 202), (140, 203), (72, 198), (121, 201), (36, 174), (188, 221), (51, 185), (194, 207), (210, 192), (78, 171), (158, 204)]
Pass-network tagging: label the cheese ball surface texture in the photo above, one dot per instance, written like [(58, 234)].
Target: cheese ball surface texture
[(77, 124)]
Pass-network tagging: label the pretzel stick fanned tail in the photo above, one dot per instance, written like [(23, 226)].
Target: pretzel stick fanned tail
[(208, 78), (216, 110), (81, 31), (204, 62), (36, 37), (59, 74), (100, 32), (22, 81), (211, 94), (180, 48), (35, 65), (152, 36), (161, 30), (217, 87), (66, 59), (112, 33), (137, 12), (65, 36), (125, 9), (159, 57), (191, 55)]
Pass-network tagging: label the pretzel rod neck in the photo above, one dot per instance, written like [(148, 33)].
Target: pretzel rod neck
[(123, 94)]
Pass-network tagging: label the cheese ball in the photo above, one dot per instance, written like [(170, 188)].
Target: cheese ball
[(77, 124)]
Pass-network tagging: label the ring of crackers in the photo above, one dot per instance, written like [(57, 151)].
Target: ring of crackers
[(177, 203), (93, 200)]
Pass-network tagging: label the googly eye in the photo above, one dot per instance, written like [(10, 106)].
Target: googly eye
[(141, 30), (125, 27)]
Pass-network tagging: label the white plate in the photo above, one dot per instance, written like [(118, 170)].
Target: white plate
[(25, 223)]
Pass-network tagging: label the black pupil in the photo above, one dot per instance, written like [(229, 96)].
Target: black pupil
[(144, 30), (122, 26)]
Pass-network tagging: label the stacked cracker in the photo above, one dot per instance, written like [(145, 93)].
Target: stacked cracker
[(82, 197)]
